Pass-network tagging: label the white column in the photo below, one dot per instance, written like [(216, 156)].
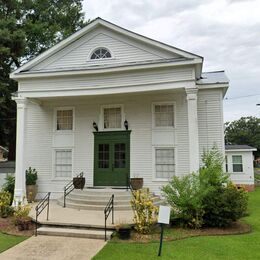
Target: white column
[(193, 129), (20, 187)]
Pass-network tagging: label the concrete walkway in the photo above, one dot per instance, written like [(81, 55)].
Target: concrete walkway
[(54, 248)]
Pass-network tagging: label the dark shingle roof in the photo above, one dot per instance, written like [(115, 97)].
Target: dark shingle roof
[(238, 147)]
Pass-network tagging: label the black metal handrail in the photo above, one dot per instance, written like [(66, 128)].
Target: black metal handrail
[(109, 207), (45, 202), (69, 188)]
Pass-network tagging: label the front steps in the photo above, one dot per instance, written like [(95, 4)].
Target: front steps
[(97, 199)]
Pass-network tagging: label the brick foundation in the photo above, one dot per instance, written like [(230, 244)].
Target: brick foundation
[(247, 187)]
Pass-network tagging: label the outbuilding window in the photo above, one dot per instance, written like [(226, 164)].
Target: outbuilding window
[(100, 53), (237, 163), (63, 163), (164, 163)]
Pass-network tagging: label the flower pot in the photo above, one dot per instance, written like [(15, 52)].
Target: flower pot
[(124, 233), (137, 183), (79, 182), (31, 191)]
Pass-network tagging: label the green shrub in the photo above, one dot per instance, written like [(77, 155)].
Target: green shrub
[(211, 174), (31, 176), (5, 201), (185, 198), (9, 185), (207, 198), (223, 205)]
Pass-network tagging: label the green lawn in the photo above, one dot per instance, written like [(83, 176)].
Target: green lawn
[(7, 241), (245, 246)]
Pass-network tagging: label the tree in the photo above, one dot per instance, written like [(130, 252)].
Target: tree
[(246, 130), (27, 28)]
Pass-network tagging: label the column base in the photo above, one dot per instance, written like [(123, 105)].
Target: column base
[(19, 198)]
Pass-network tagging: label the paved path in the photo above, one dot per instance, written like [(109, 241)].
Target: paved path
[(54, 248)]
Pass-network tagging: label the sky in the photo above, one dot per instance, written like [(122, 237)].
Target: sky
[(225, 32)]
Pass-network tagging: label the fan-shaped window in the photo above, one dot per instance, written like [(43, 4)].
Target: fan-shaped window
[(100, 53)]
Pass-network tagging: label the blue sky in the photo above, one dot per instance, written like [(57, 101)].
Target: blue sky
[(225, 32)]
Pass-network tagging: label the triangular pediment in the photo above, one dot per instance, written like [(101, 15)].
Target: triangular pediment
[(127, 48)]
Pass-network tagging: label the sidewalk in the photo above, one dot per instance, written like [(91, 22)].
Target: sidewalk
[(54, 248)]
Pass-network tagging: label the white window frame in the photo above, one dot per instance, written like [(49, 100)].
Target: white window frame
[(54, 177), (56, 109), (155, 178), (101, 122), (100, 47), (236, 163), (226, 163), (174, 115)]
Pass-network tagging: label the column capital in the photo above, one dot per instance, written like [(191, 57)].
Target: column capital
[(21, 102), (191, 93)]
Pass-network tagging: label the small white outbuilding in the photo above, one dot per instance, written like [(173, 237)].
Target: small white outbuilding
[(239, 163)]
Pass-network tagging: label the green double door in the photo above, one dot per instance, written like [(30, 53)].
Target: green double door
[(111, 158)]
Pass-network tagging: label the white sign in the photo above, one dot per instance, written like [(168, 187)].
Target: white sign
[(164, 215)]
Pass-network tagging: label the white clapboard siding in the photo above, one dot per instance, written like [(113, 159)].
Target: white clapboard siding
[(107, 80), (210, 119), (138, 112), (123, 50)]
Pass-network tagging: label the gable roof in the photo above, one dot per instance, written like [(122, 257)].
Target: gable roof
[(100, 22)]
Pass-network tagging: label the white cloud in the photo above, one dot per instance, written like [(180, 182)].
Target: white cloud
[(224, 32)]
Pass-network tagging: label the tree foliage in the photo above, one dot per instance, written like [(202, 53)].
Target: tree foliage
[(27, 28), (246, 130)]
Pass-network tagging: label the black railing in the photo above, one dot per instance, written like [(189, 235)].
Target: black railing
[(109, 207), (45, 202), (69, 188)]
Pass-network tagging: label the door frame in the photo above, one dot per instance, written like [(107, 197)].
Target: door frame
[(112, 136)]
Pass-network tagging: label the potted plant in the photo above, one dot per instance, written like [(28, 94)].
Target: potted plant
[(31, 187), (79, 181), (21, 216), (124, 231), (137, 183)]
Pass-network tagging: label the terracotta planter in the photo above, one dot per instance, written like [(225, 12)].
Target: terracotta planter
[(31, 191), (137, 183), (79, 182)]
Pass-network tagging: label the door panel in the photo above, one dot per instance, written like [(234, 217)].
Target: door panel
[(111, 158)]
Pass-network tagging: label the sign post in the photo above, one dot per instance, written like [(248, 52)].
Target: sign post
[(163, 218)]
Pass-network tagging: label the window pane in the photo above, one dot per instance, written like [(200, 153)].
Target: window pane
[(103, 156), (112, 117), (237, 168), (164, 115), (63, 163), (165, 162), (64, 119), (119, 155), (237, 158), (100, 53)]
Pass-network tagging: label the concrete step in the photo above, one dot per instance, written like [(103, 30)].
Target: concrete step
[(91, 206), (98, 197), (71, 232), (97, 202), (102, 192)]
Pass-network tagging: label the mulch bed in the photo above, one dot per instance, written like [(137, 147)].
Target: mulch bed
[(7, 226), (176, 233)]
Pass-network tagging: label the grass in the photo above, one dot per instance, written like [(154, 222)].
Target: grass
[(7, 241), (208, 247)]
